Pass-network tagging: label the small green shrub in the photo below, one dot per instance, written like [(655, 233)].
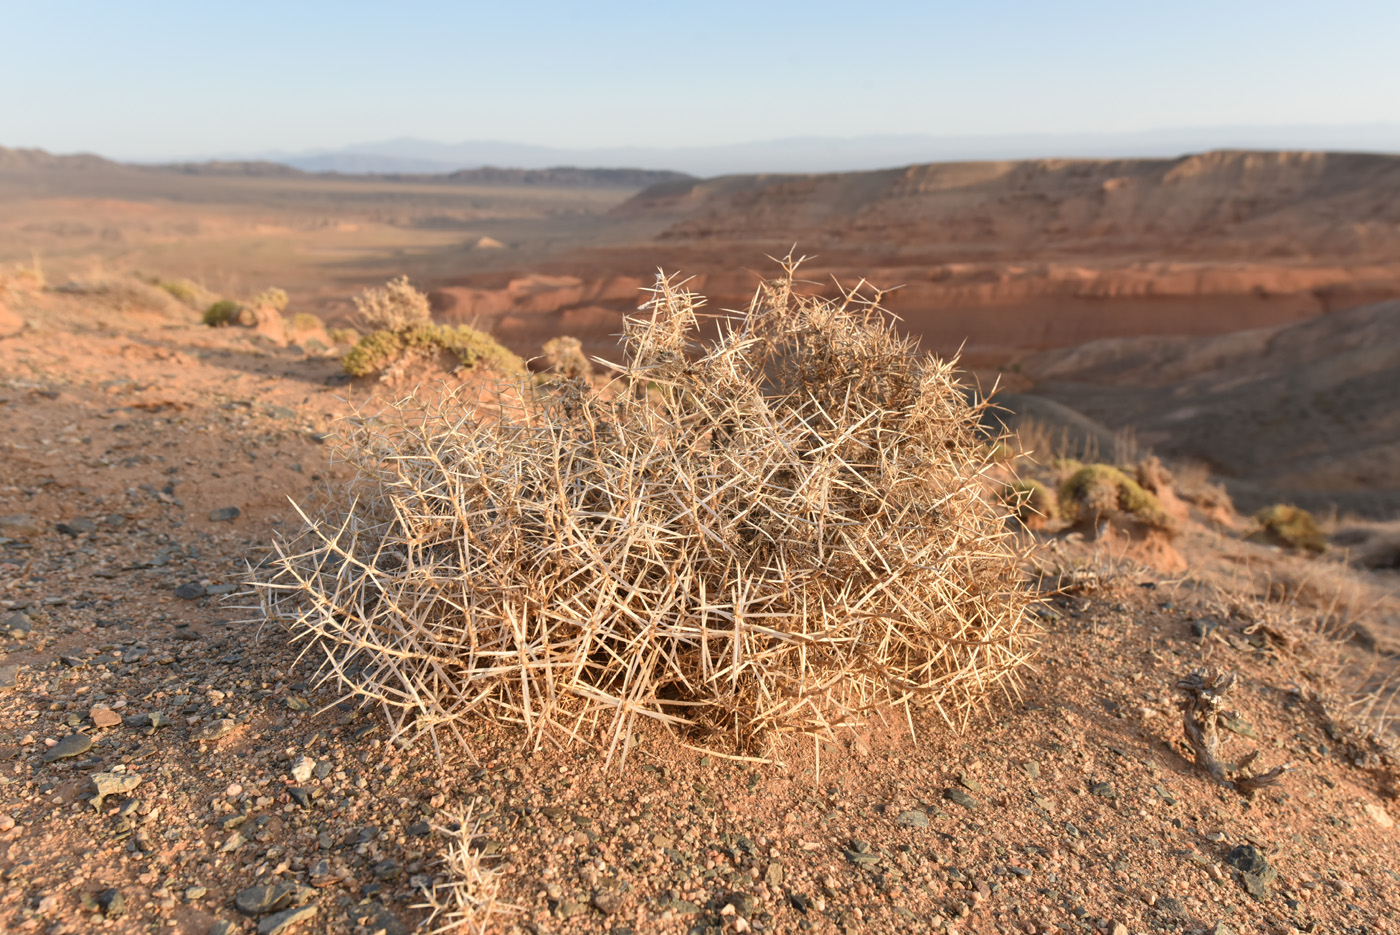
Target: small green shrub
[(303, 321), (191, 293), (1289, 526), (378, 349), (1097, 492), (565, 357), (269, 298), (343, 335), (222, 312)]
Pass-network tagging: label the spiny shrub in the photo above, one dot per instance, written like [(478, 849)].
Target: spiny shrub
[(396, 307), (1099, 493), (378, 350), (222, 312), (1289, 526), (272, 297), (775, 532), (1031, 502), (565, 358)]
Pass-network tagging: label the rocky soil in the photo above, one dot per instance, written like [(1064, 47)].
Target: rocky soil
[(169, 765)]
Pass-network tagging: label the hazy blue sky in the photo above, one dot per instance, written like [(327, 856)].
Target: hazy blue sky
[(132, 79)]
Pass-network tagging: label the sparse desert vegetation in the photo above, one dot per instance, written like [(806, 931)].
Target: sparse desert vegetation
[(1095, 494), (223, 312), (403, 335), (1290, 526)]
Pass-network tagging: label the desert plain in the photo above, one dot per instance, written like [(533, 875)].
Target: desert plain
[(172, 763)]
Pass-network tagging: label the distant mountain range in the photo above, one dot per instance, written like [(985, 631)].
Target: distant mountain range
[(38, 160), (487, 162), (827, 154)]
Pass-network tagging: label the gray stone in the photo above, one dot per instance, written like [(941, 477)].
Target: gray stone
[(113, 903), (960, 797), (858, 853), (377, 918), (216, 730), (72, 745), (18, 526), (1170, 905), (607, 902), (190, 590), (9, 677), (1256, 885), (1255, 872), (1204, 627), (300, 796), (303, 768), (912, 819), (17, 625), (112, 784), (77, 526), (258, 900), (274, 924), (743, 903), (225, 514), (222, 927)]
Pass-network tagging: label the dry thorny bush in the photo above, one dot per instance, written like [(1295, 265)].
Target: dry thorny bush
[(396, 307), (467, 899), (775, 532)]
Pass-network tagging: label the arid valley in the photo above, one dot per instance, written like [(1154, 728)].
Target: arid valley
[(1217, 333)]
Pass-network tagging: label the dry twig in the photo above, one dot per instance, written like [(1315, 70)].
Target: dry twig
[(1202, 710)]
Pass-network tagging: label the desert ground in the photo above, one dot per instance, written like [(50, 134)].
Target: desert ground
[(170, 762)]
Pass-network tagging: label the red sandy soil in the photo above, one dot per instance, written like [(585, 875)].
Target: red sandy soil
[(1074, 806)]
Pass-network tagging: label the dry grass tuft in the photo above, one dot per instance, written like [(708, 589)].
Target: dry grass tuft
[(773, 533)]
